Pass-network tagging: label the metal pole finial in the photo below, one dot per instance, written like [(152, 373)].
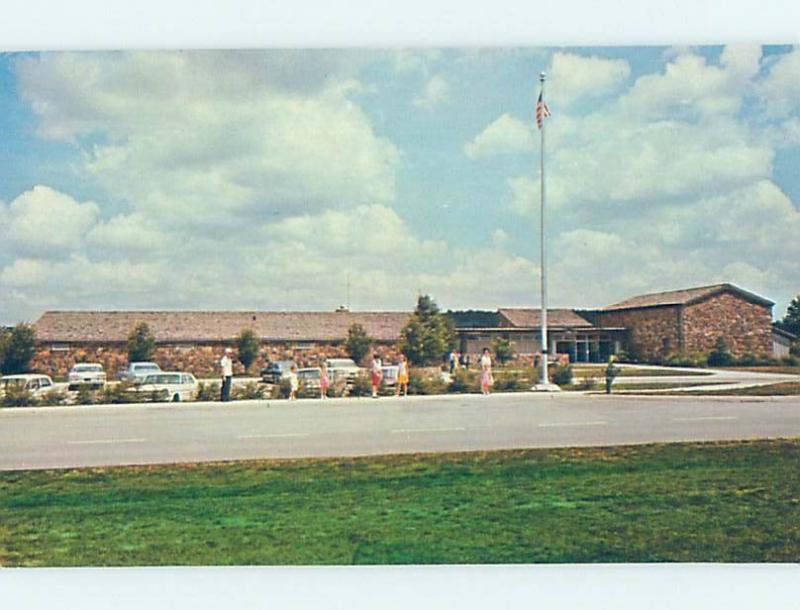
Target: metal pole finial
[(541, 77)]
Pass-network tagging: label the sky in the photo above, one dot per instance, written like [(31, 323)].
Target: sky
[(309, 179)]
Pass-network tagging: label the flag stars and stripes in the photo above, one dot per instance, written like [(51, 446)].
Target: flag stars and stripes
[(542, 111)]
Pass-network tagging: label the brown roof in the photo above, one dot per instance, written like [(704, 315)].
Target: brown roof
[(532, 318), (685, 297), (198, 326)]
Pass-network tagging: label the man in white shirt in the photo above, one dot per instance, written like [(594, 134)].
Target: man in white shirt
[(226, 364)]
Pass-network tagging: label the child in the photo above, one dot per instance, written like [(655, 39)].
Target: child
[(293, 383), (324, 381), (402, 376), (376, 375)]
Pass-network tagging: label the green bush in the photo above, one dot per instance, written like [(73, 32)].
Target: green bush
[(251, 390), (684, 359), (18, 397), (464, 382), (510, 382), (794, 350), (53, 398), (503, 350), (17, 348), (208, 392), (790, 360), (721, 356), (361, 386), (358, 343), (588, 382), (141, 343), (284, 388), (419, 385), (84, 396), (562, 375), (119, 393), (247, 346)]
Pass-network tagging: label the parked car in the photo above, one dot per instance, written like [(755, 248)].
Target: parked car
[(275, 371), (310, 377), (37, 385), (139, 370), (172, 386), (88, 374), (342, 368)]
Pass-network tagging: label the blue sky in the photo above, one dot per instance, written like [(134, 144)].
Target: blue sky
[(266, 179)]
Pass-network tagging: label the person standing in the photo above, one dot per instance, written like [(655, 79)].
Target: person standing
[(453, 362), (294, 382), (376, 375), (226, 364), (486, 371), (324, 381), (402, 376)]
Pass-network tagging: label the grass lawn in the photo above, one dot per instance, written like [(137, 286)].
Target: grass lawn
[(785, 370), (789, 388), (727, 502), (579, 371)]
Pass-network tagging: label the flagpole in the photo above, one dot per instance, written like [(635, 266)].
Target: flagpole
[(544, 377)]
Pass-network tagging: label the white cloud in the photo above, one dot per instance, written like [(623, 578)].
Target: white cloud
[(781, 87), (46, 222), (506, 134), (435, 93), (573, 76)]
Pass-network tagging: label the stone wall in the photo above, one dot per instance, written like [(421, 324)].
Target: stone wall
[(653, 333), (201, 360), (746, 327)]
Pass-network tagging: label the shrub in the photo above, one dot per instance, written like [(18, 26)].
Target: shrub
[(53, 398), (18, 397), (361, 386), (208, 392), (247, 347), (358, 342), (141, 343), (684, 359), (249, 391), (17, 350), (463, 381), (509, 382), (284, 388), (419, 385), (588, 382), (85, 396), (120, 393), (794, 350), (790, 360), (721, 356), (562, 375)]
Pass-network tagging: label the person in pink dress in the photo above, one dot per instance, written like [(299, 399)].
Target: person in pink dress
[(486, 372), (324, 381), (376, 374)]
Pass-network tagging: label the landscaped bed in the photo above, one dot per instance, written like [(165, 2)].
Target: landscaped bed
[(678, 502)]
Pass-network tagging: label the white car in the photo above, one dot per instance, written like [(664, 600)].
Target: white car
[(342, 368), (310, 377), (86, 374), (37, 385), (139, 370), (172, 386)]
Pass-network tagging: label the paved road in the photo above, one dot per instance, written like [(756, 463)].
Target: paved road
[(61, 437)]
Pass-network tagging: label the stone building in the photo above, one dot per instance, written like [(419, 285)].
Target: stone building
[(692, 320), (195, 340)]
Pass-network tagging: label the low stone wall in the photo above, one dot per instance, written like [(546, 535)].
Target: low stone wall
[(201, 360)]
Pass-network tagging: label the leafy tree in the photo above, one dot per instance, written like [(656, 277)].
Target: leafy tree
[(791, 321), (358, 342), (247, 345), (141, 343), (428, 335), (17, 349), (503, 350)]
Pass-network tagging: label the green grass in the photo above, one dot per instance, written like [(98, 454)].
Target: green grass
[(727, 502), (789, 388), (580, 371)]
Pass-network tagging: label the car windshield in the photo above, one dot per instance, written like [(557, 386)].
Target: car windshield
[(341, 362), (87, 368)]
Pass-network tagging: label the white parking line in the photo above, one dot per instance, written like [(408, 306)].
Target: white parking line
[(410, 430), (706, 418), (573, 424), (107, 441), (245, 437)]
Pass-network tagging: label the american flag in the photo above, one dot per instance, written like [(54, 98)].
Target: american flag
[(542, 111)]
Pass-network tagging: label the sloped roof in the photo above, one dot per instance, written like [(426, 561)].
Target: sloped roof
[(532, 318), (685, 297), (199, 326)]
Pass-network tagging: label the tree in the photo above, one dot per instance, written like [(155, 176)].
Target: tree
[(247, 346), (358, 342), (721, 356), (503, 350), (141, 343), (428, 335), (17, 349), (791, 321)]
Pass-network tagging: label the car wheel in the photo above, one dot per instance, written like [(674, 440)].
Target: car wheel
[(176, 398)]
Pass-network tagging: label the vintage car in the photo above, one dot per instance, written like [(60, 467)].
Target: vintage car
[(138, 370), (167, 385), (88, 374), (275, 371), (37, 385)]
